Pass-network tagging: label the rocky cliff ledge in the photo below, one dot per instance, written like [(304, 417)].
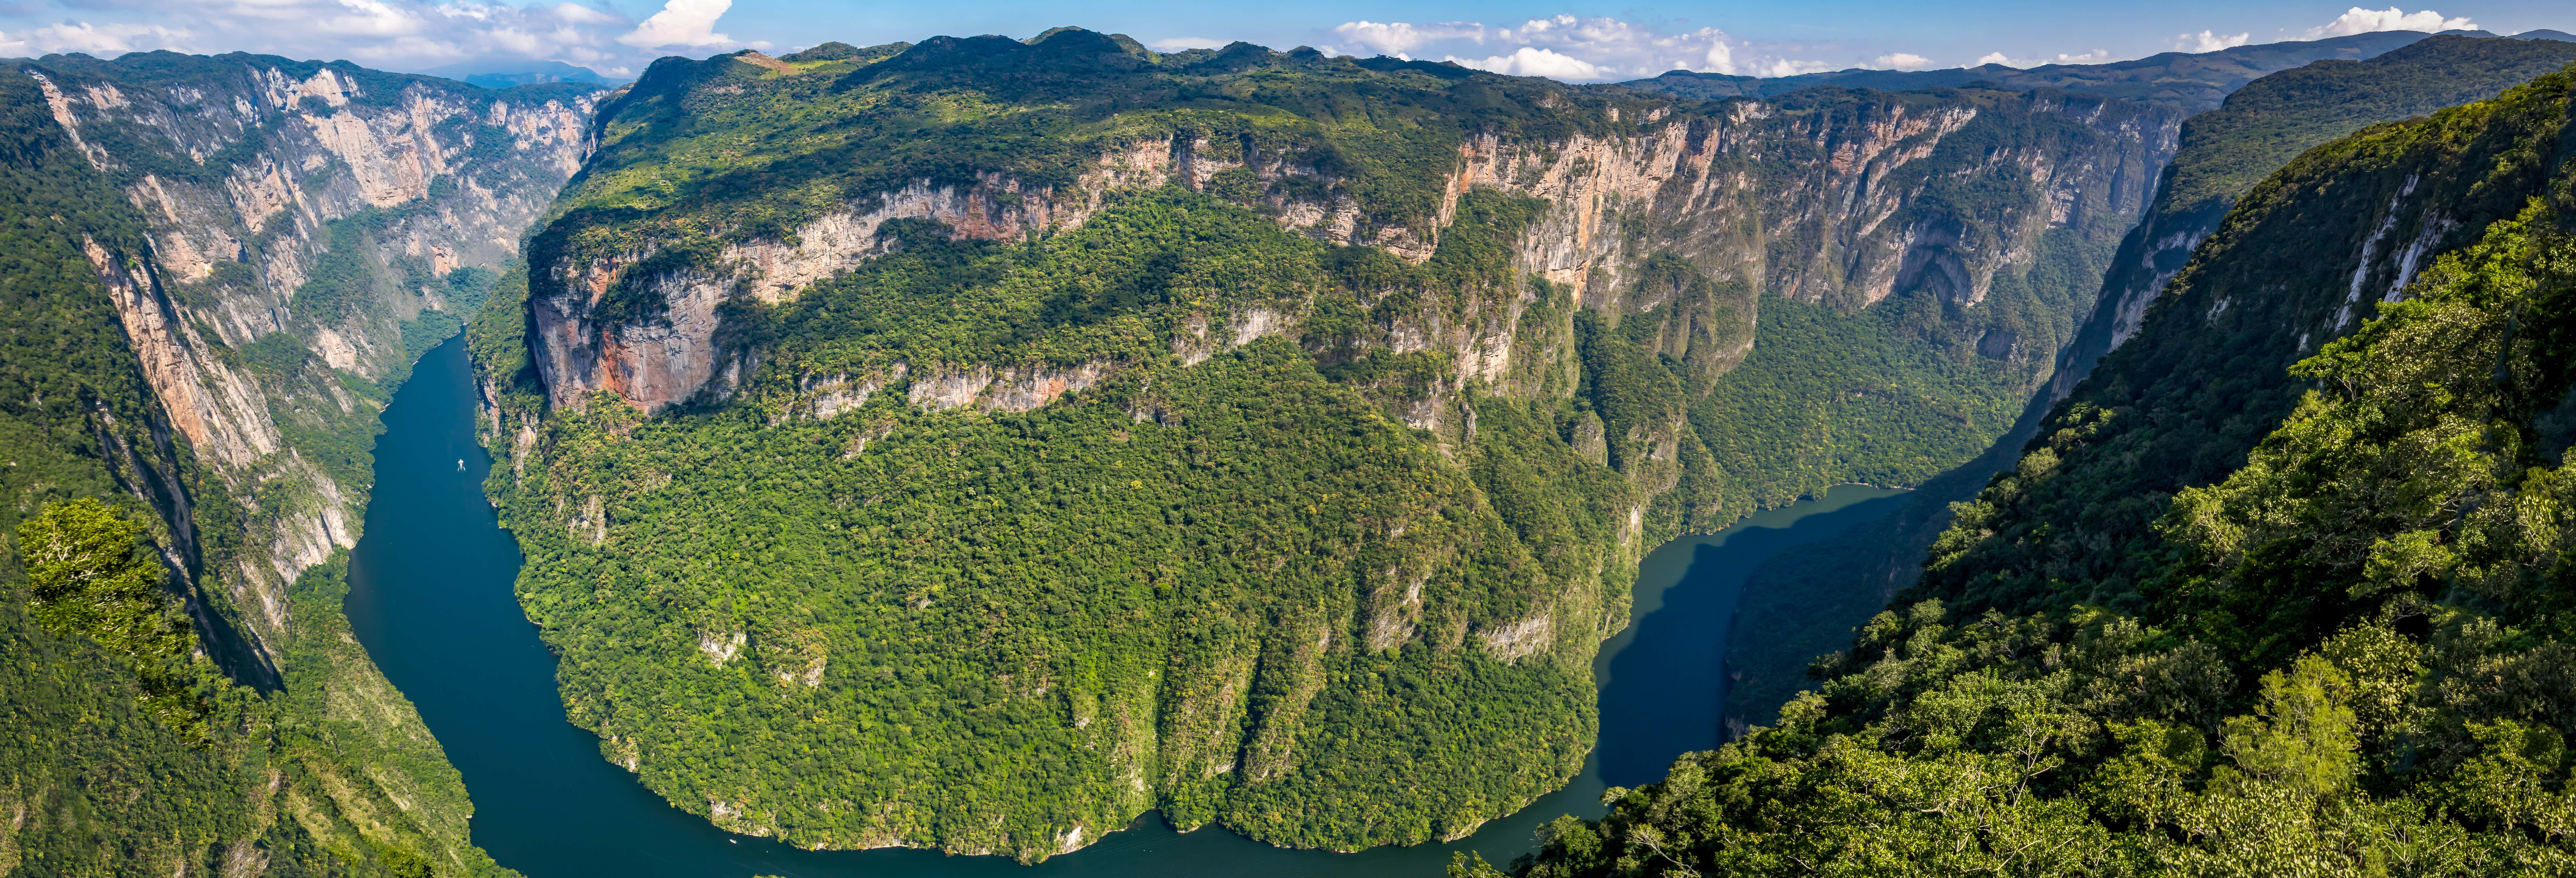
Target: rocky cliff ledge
[(1839, 198), (302, 219)]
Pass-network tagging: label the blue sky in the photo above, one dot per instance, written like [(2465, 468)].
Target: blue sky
[(1574, 41)]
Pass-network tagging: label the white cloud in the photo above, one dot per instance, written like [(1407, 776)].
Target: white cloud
[(1902, 61), (385, 34), (1792, 67), (1609, 41), (1571, 48), (1528, 61), (101, 39), (1397, 38), (2096, 56), (2362, 21), (690, 23), (2208, 41), (575, 13), (1183, 44)]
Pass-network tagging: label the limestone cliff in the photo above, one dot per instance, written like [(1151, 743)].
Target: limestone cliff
[(1531, 291), (291, 236), (2264, 126), (311, 213), (1822, 200)]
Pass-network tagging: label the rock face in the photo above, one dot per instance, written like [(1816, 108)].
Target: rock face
[(2197, 480), (2263, 127), (1593, 273), (291, 235), (1818, 200), (294, 207)]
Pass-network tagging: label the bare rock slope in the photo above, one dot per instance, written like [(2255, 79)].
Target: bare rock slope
[(292, 236)]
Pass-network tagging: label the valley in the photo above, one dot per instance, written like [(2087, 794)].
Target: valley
[(986, 455)]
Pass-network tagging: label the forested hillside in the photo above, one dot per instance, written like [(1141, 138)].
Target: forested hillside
[(1052, 430), (2281, 587), (217, 271), (2226, 151), (1804, 605)]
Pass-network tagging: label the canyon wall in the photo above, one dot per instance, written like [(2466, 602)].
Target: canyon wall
[(302, 221), (1533, 314), (1839, 200), (291, 236)]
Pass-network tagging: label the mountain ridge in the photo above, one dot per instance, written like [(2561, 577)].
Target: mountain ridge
[(2198, 81)]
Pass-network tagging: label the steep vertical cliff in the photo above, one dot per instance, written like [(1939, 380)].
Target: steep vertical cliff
[(2285, 581), (1690, 213), (1803, 606), (2260, 128), (275, 241), (304, 219), (1265, 438)]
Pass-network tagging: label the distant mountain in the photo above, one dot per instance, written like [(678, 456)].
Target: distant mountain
[(504, 74), (2198, 81)]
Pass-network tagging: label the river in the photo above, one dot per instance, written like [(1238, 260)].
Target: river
[(430, 597)]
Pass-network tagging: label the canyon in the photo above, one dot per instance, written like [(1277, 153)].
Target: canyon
[(1323, 447), (277, 242), (1561, 303)]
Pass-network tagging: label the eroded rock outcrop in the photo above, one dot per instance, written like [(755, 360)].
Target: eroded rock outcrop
[(286, 238), (298, 207), (1822, 204), (1642, 239), (2225, 153)]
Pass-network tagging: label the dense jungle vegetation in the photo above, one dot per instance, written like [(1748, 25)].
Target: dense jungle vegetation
[(1223, 525), (2228, 150), (1261, 564), (2253, 602), (696, 155), (1239, 592), (1895, 394), (1805, 604), (138, 735)]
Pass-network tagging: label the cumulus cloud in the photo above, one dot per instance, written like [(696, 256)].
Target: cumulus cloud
[(1791, 67), (1580, 49), (1901, 61), (2208, 41), (1183, 44), (687, 23), (2361, 21), (1530, 61), (95, 39), (1397, 38), (387, 34), (2096, 56)]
